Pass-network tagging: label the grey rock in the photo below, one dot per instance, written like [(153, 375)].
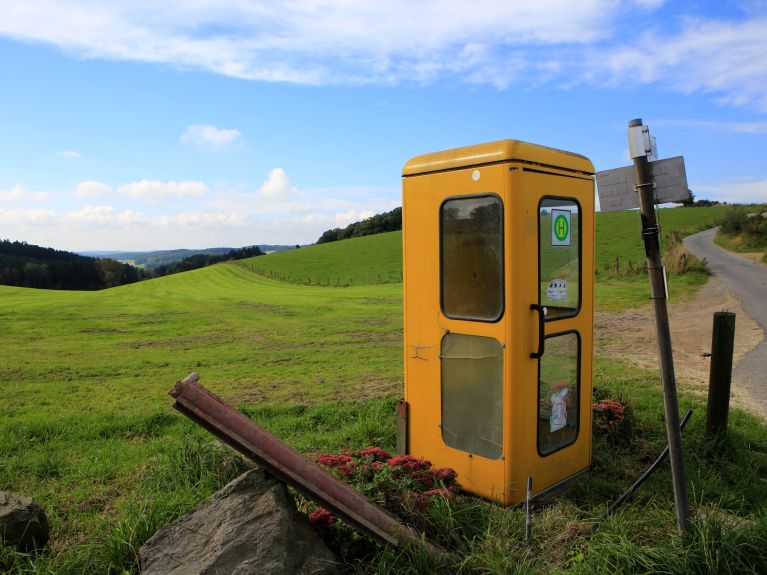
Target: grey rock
[(250, 527), (23, 523)]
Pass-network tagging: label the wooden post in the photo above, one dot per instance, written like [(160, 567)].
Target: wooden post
[(720, 376)]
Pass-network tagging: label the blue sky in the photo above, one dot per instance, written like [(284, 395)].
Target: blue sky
[(151, 125)]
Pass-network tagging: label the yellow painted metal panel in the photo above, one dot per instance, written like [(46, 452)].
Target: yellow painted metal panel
[(520, 175), (495, 152)]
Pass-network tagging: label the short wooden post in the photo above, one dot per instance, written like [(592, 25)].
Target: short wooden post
[(720, 377)]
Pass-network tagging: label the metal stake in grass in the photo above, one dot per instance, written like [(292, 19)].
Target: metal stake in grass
[(528, 515)]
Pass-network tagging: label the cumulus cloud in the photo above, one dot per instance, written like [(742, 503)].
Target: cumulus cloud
[(19, 194), (277, 186), (69, 154), (210, 138), (154, 191), (89, 190)]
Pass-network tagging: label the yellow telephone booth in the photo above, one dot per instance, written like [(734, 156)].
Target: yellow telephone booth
[(499, 302)]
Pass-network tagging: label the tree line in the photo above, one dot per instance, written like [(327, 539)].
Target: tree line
[(386, 222), (26, 265), (202, 260), (31, 266)]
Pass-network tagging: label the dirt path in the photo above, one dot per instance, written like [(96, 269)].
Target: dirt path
[(631, 335)]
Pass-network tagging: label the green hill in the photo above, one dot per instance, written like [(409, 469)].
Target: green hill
[(619, 233), (367, 260), (378, 258), (88, 431)]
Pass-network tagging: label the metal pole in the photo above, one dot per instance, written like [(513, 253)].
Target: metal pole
[(528, 512), (651, 236), (720, 377)]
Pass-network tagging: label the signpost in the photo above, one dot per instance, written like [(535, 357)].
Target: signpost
[(612, 195), (616, 187)]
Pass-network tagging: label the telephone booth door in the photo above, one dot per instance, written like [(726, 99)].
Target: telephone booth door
[(498, 274)]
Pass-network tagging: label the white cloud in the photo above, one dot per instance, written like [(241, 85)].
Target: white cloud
[(294, 41), (19, 194), (340, 41), (277, 186), (210, 138), (69, 154), (743, 192), (154, 191), (719, 57), (89, 190), (345, 218)]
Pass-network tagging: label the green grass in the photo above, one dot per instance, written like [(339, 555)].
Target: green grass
[(84, 377), (88, 431), (366, 260), (87, 428), (619, 233), (377, 259)]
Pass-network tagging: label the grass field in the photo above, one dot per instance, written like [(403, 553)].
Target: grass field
[(366, 260), (87, 429), (377, 259), (84, 376)]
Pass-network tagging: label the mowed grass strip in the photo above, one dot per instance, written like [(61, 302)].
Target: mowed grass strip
[(366, 260)]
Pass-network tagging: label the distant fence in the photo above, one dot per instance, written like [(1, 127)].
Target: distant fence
[(337, 281)]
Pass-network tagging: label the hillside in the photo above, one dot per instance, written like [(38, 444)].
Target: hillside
[(93, 438), (377, 259)]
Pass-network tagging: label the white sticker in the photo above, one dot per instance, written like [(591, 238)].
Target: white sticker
[(560, 228), (475, 175), (559, 409), (557, 290)]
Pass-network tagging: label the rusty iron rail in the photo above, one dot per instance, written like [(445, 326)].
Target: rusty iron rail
[(244, 435)]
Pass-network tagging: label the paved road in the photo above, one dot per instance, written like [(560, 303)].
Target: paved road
[(748, 281)]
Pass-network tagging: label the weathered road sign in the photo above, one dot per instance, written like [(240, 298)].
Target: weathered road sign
[(616, 187)]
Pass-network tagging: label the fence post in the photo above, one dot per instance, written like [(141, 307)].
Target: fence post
[(720, 376)]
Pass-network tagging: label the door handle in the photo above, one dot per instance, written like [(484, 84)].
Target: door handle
[(541, 330)]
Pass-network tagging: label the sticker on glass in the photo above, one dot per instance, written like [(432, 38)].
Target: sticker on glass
[(558, 418), (560, 228), (557, 290)]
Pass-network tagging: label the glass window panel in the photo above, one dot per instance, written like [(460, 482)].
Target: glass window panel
[(472, 258), (558, 391), (472, 394), (559, 257)]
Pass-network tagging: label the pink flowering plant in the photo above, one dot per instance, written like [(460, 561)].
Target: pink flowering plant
[(611, 420), (402, 484)]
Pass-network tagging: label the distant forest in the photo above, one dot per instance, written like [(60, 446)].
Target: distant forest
[(203, 260), (26, 265), (386, 222)]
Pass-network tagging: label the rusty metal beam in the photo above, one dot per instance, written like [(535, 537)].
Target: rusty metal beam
[(243, 434)]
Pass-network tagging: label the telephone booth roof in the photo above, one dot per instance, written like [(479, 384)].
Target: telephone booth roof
[(497, 152)]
